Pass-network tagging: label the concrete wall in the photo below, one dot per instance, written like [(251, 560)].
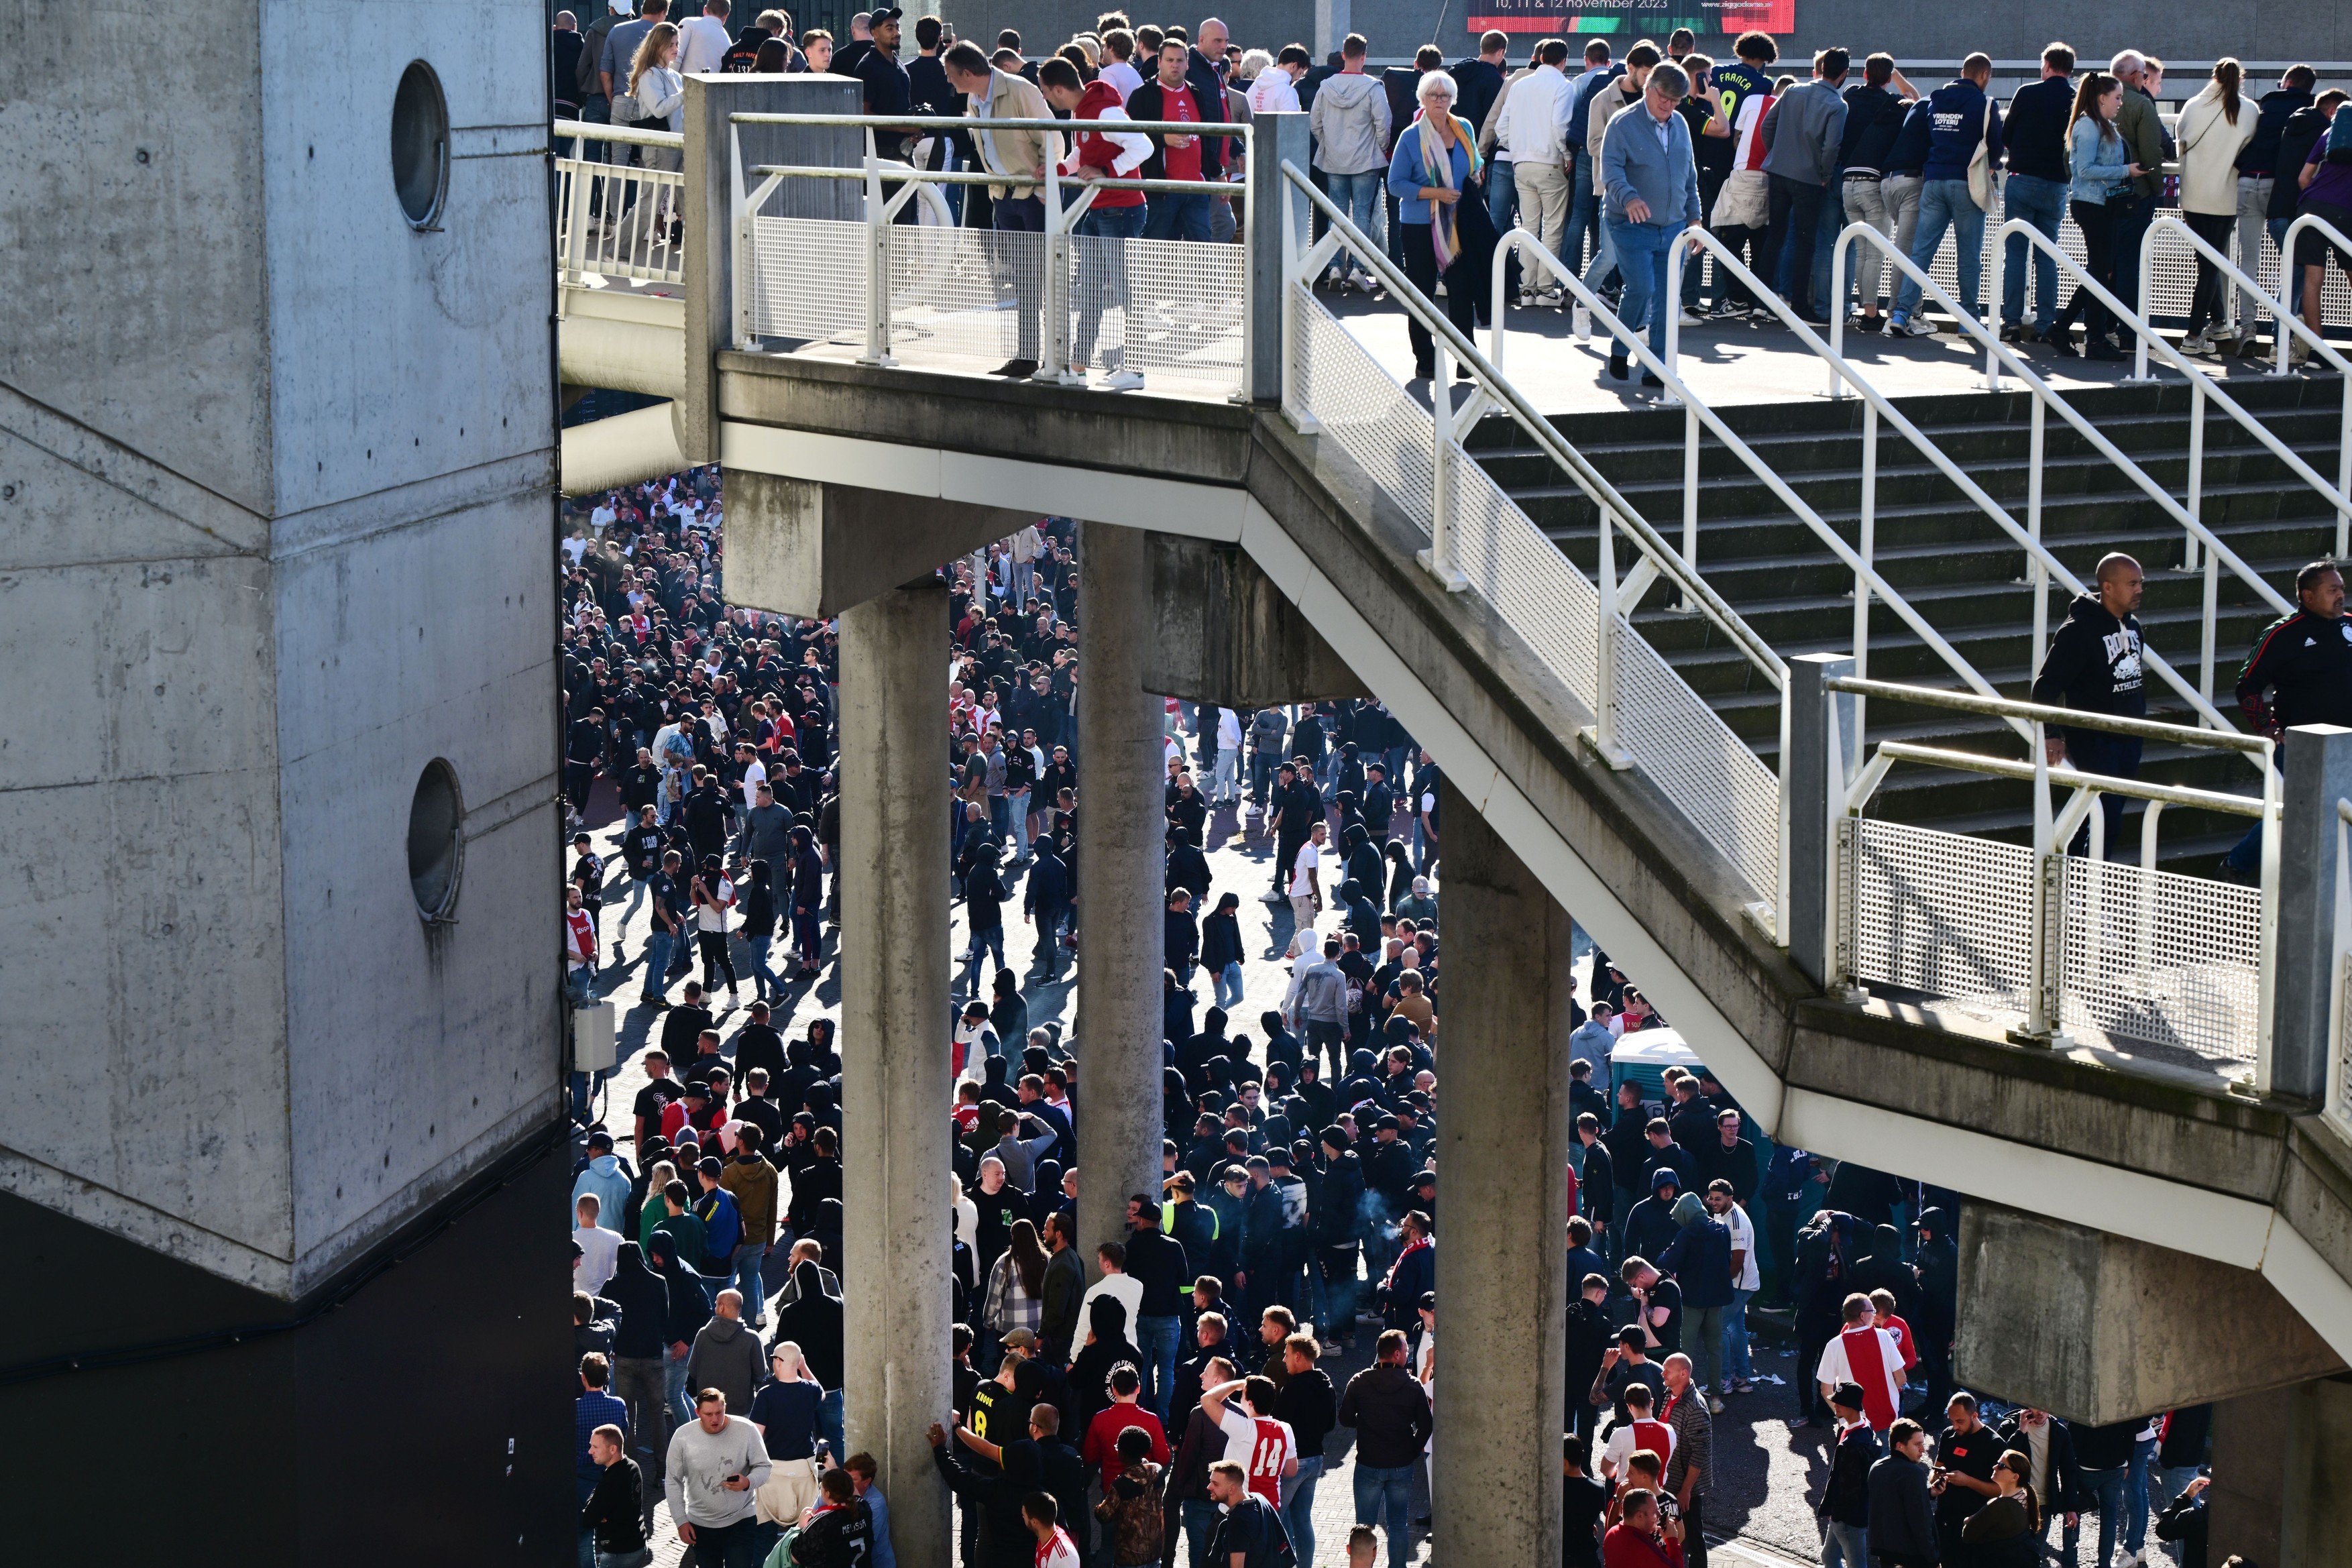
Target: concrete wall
[(275, 531), (1935, 36)]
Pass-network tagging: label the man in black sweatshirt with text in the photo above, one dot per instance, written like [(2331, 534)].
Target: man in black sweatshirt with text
[(2094, 664)]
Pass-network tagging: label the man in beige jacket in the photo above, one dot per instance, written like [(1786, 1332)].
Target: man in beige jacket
[(1019, 157)]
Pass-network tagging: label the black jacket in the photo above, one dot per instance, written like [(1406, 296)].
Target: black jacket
[(2035, 131), (814, 1322), (1901, 1523), (2183, 1520), (1846, 1495), (2095, 663), (616, 1510), (1308, 1403), (2066, 1492), (2304, 128), (1872, 117), (2299, 673), (1389, 1412), (1147, 102), (1599, 1187), (2260, 157), (1159, 1262), (839, 1537), (644, 1300), (1337, 1219)]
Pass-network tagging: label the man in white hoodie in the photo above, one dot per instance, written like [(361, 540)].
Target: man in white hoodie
[(715, 1463), (1351, 126)]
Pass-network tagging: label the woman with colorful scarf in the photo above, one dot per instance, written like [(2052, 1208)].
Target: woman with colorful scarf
[(1436, 159)]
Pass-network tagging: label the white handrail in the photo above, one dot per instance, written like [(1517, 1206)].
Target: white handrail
[(2007, 359), (1508, 400), (1638, 344), (1843, 373), (2286, 261), (584, 130), (2245, 283)]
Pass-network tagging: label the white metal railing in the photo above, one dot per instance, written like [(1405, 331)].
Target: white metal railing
[(1999, 358), (1646, 715), (933, 292), (619, 219), (2066, 942), (2328, 277)]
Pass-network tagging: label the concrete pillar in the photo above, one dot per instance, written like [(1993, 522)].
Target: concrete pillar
[(2318, 762), (1502, 1145), (1221, 633), (896, 1086), (1122, 838), (1816, 800), (2279, 1459)]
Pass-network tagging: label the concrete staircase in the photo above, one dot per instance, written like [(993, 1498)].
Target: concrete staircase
[(1955, 564)]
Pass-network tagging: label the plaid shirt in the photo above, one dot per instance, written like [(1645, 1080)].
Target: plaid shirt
[(1008, 1306), (1694, 1441), (596, 1408)]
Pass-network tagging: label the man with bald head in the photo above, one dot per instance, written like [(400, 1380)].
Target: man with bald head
[(2095, 664)]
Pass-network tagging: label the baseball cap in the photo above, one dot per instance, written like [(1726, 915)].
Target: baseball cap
[(600, 1139)]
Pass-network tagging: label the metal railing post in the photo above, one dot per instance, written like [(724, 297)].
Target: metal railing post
[(1815, 781), (1054, 364), (1867, 547), (2195, 504), (746, 267), (2037, 568), (1677, 256), (1438, 558), (2045, 1004), (1690, 488), (575, 222), (1838, 250), (877, 264), (1604, 707)]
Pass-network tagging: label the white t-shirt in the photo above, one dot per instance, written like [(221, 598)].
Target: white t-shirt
[(1835, 1369), (1229, 730), (702, 43), (599, 1250), (1124, 1288), (1743, 1239), (1310, 856), (712, 916), (1122, 76), (1272, 92), (1061, 1552), (753, 777)]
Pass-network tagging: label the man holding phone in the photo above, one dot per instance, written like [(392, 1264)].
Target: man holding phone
[(714, 1467)]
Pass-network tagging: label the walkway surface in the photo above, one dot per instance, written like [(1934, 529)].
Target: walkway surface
[(1768, 1467)]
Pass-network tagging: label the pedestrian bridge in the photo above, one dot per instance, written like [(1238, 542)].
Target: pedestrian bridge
[(2102, 1042)]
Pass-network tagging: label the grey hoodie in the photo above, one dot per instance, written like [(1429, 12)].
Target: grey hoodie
[(727, 1357), (1351, 125)]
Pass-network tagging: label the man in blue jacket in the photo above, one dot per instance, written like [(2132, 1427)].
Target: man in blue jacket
[(1651, 182), (1959, 117), (2036, 130)]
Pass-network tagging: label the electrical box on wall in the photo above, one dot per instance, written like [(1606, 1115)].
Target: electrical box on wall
[(592, 1038)]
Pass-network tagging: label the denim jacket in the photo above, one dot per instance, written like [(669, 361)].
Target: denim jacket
[(2101, 164)]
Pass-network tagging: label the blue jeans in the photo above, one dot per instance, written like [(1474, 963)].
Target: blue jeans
[(1157, 1338), (1359, 197), (1826, 228), (1845, 1546), (657, 949), (763, 979), (674, 1389), (1583, 218), (1735, 1335), (1229, 986), (987, 939), (2277, 227), (2040, 203), (2143, 1460), (1502, 194), (2106, 1489), (580, 985), (1299, 1506), (1641, 250), (1178, 217), (746, 1278), (829, 1423), (1200, 1519), (1016, 800), (1946, 204), (1391, 1489)]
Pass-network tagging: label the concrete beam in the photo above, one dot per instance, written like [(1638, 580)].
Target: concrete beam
[(1122, 836), (2102, 1327), (893, 998), (1502, 1145), (1222, 633), (625, 449), (796, 548)]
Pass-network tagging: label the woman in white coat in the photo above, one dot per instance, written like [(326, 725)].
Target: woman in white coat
[(2213, 126)]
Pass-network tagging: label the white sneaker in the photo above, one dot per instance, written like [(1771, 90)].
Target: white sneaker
[(2196, 344), (1526, 299), (1916, 327), (1694, 318), (1123, 381), (1363, 281)]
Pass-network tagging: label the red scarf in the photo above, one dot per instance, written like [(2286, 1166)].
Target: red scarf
[(1388, 1280)]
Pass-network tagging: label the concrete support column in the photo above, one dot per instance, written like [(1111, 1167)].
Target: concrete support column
[(896, 1087), (2318, 764), (1502, 1150), (1820, 738), (2279, 1458), (1121, 868)]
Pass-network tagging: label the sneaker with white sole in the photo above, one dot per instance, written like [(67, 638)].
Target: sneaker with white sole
[(1691, 318), (1363, 280), (2196, 344), (1123, 381), (1914, 328)]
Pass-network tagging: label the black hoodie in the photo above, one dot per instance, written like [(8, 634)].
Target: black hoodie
[(644, 1300), (813, 1322), (2095, 663), (2305, 130), (688, 1308)]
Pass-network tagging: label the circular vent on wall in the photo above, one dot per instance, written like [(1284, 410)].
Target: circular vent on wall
[(420, 144), (436, 850)]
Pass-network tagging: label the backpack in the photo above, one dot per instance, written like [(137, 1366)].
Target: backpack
[(2339, 136)]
